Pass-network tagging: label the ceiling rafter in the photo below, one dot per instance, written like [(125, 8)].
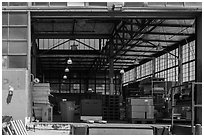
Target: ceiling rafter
[(161, 21)]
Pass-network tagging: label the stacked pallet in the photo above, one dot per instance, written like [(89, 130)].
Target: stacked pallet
[(140, 109), (42, 108), (111, 109)]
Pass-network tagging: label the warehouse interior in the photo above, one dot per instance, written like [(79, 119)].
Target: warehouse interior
[(123, 65)]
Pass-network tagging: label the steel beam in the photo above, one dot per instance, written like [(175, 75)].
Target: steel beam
[(68, 52), (150, 51), (164, 25), (140, 13), (68, 35), (70, 56), (136, 45), (162, 33)]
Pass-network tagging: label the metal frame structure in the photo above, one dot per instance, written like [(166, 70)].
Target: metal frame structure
[(193, 104)]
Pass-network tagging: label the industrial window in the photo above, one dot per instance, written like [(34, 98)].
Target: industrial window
[(129, 76), (54, 88), (14, 39), (138, 72), (188, 51), (172, 60), (58, 3), (75, 3), (4, 62), (18, 47), (4, 18), (4, 3), (64, 88), (185, 72), (4, 48), (17, 61), (18, 33), (83, 87), (134, 4), (4, 33), (172, 74), (18, 19), (18, 4), (100, 88), (149, 68), (166, 66), (192, 71), (78, 44), (97, 3), (132, 75), (40, 3), (126, 77)]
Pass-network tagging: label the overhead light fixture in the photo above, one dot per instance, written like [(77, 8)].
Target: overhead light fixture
[(136, 61), (66, 70), (69, 61), (65, 77), (122, 71), (159, 47)]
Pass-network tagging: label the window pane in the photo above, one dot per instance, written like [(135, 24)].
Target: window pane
[(97, 3), (5, 47), (4, 3), (17, 61), (58, 3), (18, 3), (5, 33), (75, 3), (17, 47), (4, 61), (18, 19), (18, 33), (4, 19), (40, 3)]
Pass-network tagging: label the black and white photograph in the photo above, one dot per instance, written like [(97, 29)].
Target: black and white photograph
[(101, 68)]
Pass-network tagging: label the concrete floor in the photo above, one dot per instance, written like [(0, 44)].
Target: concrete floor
[(44, 128), (48, 132)]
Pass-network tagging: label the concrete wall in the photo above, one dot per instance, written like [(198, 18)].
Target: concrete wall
[(19, 107)]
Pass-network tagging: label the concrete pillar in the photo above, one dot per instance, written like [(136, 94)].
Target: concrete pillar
[(198, 68), (111, 69)]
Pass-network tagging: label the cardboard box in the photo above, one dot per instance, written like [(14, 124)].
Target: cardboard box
[(140, 101)]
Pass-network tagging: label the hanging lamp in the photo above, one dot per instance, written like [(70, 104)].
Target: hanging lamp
[(65, 77), (66, 70), (69, 61)]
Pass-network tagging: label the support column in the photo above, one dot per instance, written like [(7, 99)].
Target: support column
[(180, 67), (111, 69), (198, 68), (153, 67)]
